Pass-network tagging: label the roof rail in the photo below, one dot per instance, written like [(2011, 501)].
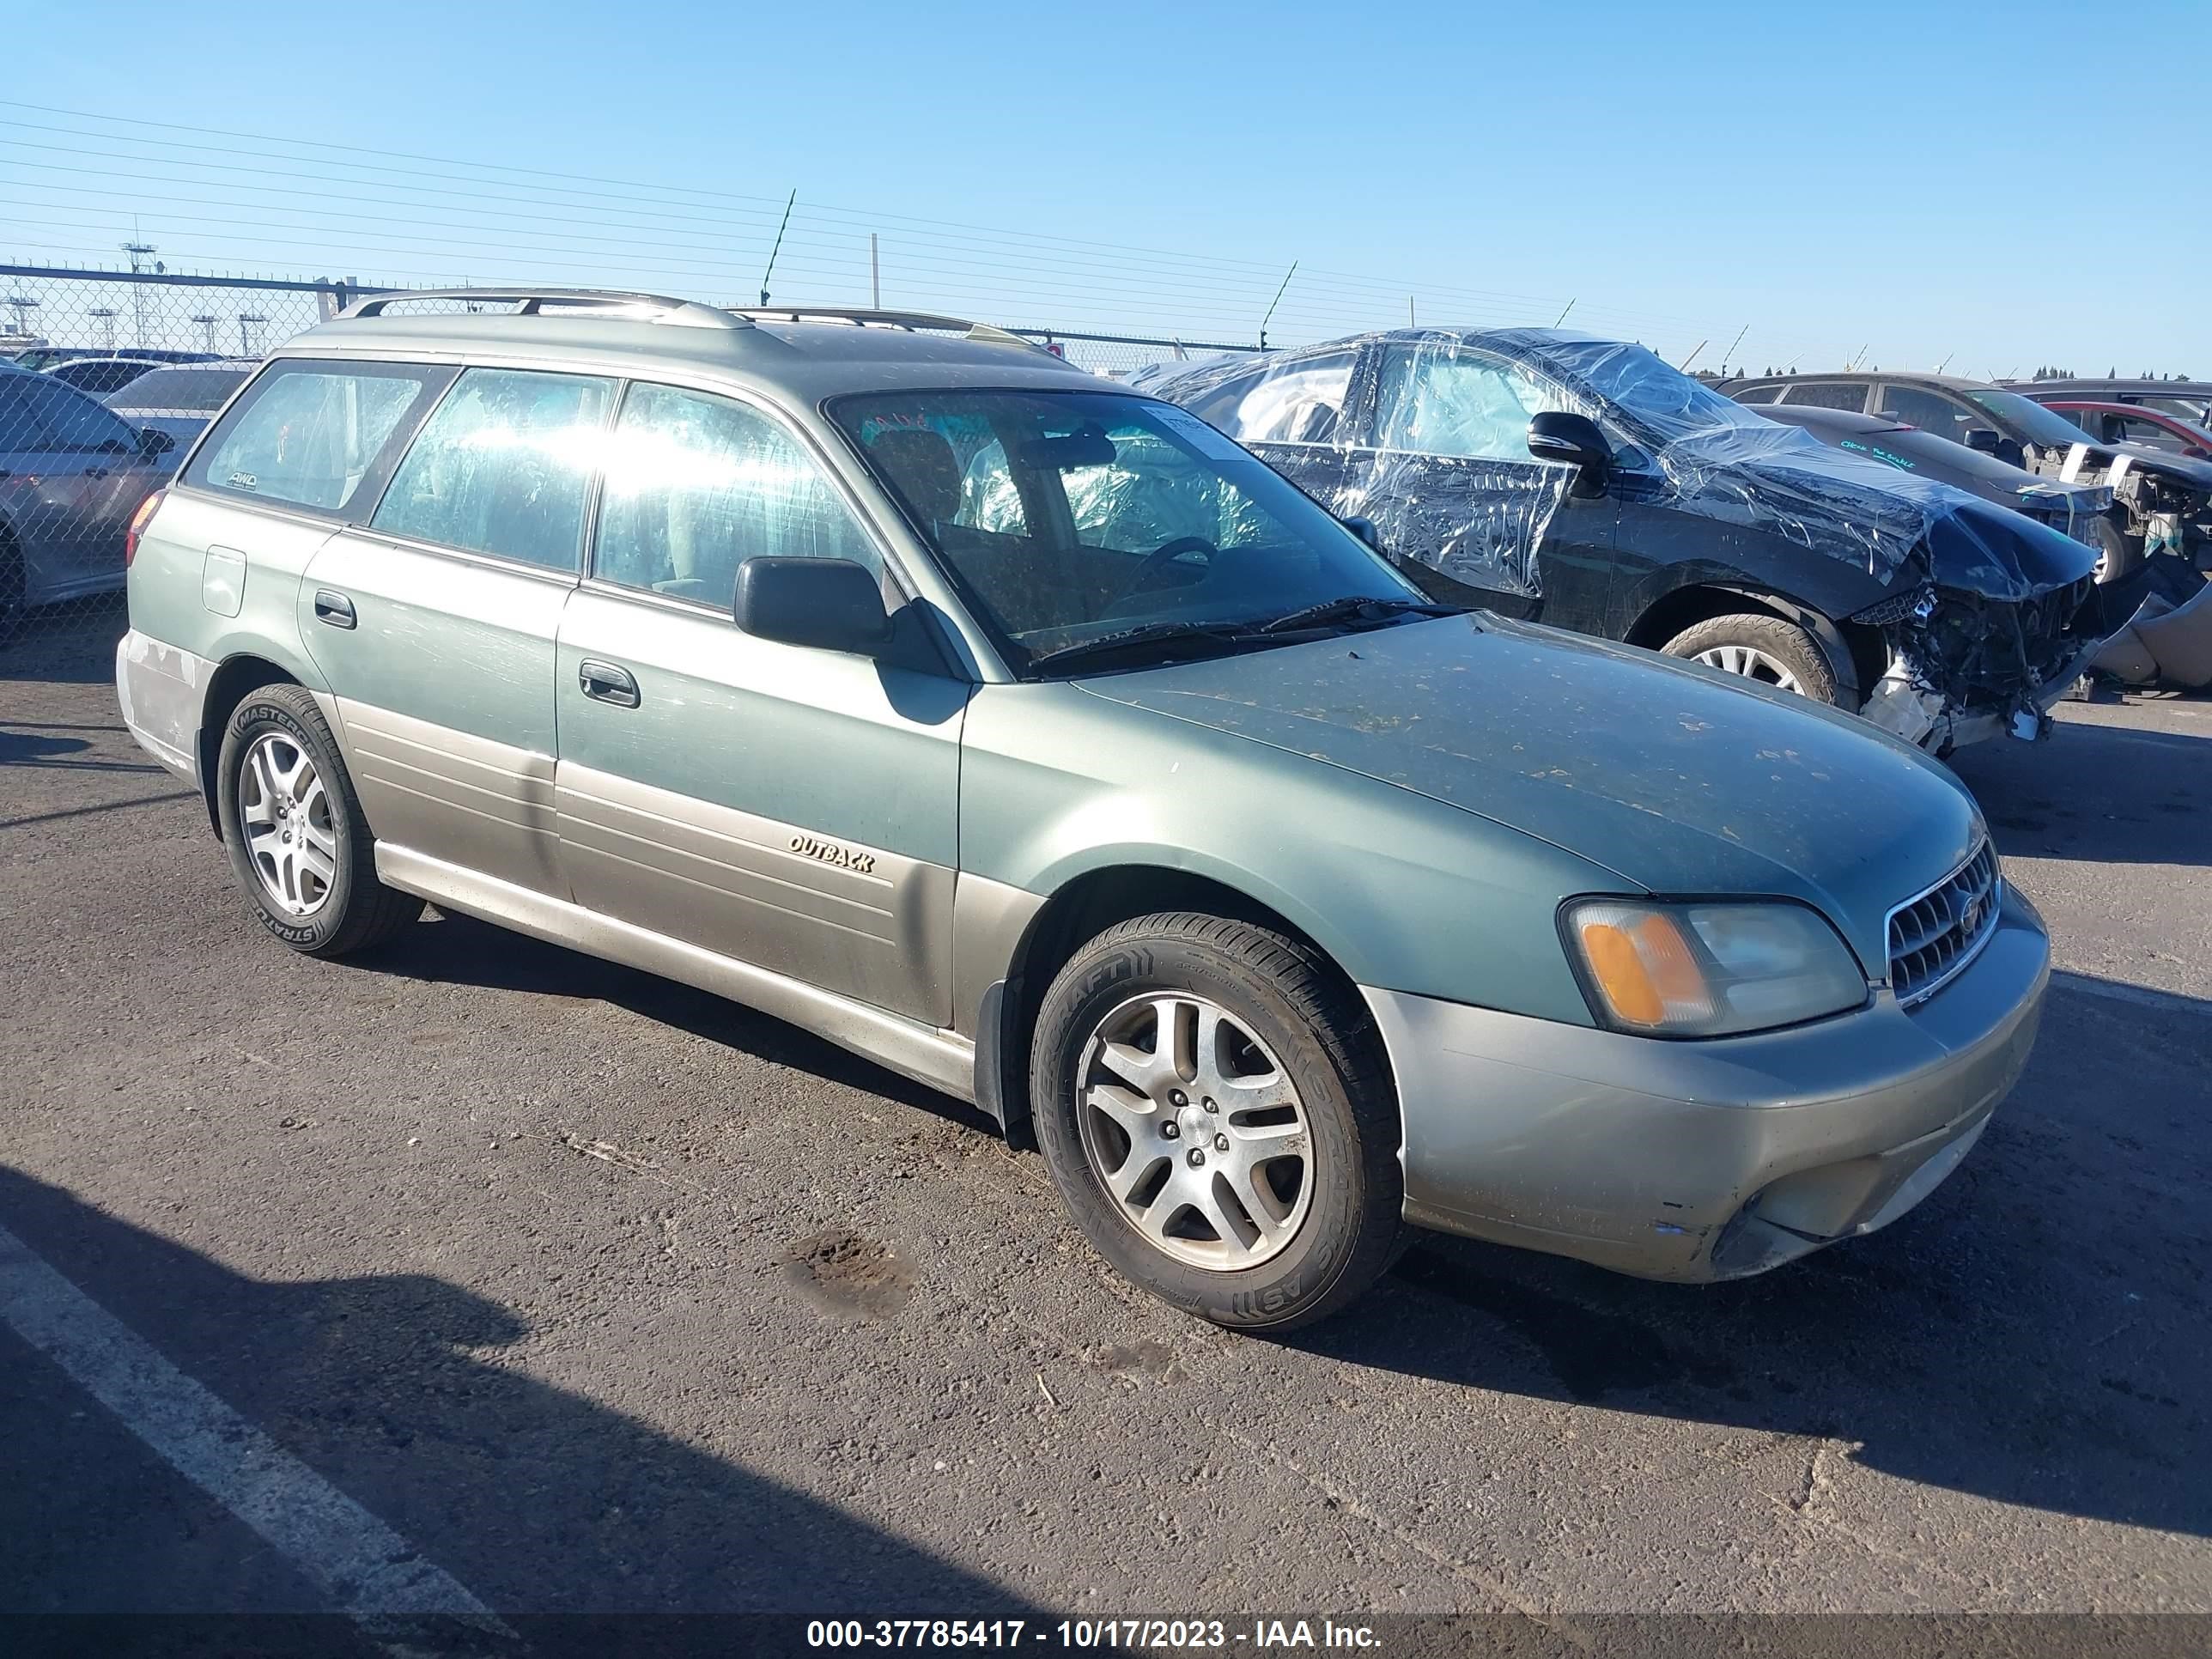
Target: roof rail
[(868, 317), (530, 301)]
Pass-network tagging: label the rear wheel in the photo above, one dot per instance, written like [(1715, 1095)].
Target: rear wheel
[(1760, 647), (294, 826), (1214, 1109)]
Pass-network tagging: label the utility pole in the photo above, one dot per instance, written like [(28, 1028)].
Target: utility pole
[(248, 347), (23, 305), (206, 319), (105, 316), (875, 274)]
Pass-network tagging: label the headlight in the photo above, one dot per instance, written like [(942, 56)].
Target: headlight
[(1693, 971)]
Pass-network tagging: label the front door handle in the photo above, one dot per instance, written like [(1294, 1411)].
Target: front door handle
[(606, 682), (334, 608), (95, 472)]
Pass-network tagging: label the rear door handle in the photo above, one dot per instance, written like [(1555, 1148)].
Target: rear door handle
[(607, 682), (334, 608)]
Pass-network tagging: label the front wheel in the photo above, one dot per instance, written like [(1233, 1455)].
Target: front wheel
[(295, 832), (1213, 1106), (1760, 647)]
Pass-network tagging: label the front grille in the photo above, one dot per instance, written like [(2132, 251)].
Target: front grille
[(1931, 938)]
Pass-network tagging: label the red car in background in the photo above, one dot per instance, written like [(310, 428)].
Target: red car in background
[(2133, 423)]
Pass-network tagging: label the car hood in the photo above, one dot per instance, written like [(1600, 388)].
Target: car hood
[(1858, 508), (1680, 779)]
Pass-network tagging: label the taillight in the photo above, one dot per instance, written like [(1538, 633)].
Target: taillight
[(139, 520)]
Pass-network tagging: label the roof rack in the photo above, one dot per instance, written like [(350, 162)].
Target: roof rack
[(531, 302), (868, 317)]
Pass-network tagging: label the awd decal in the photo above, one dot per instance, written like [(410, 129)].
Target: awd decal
[(812, 846)]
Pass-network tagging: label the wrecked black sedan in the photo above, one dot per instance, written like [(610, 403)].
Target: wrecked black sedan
[(1584, 483)]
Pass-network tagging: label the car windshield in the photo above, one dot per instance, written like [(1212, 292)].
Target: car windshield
[(2030, 422), (1649, 390), (1070, 517)]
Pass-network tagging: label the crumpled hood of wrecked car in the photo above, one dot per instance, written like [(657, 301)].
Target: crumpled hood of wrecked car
[(1834, 501), (1680, 779)]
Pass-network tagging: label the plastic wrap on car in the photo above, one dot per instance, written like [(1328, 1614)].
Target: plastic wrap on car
[(1152, 494), (1681, 444)]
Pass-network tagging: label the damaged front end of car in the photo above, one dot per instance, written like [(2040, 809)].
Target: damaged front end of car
[(1964, 666)]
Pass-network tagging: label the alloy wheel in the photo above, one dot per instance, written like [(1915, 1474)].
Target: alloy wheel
[(1195, 1130), (284, 813), (1752, 664)]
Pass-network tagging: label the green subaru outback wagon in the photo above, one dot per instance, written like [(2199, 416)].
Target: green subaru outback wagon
[(1029, 737)]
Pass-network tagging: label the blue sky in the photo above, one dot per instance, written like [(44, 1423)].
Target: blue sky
[(1913, 183)]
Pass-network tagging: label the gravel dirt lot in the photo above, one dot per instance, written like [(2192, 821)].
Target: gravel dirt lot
[(604, 1294)]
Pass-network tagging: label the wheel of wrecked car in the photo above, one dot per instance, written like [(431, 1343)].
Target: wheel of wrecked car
[(1760, 647), (297, 838), (1214, 1110), (2118, 552)]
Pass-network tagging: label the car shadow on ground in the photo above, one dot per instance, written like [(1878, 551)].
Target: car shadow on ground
[(2104, 793), (2037, 1332), (533, 1497), (452, 949)]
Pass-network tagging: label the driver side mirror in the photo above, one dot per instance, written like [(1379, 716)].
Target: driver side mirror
[(1982, 441), (153, 442), (1555, 435), (832, 604), (1366, 529)]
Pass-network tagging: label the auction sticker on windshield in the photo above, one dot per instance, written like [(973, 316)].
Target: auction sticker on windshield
[(1208, 442)]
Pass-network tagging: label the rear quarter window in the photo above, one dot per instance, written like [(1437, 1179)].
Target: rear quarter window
[(316, 435)]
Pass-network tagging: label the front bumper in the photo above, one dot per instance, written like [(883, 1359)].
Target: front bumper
[(1979, 726), (1706, 1160)]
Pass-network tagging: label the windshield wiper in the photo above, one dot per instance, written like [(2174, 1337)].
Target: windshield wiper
[(1150, 637), (1356, 608)]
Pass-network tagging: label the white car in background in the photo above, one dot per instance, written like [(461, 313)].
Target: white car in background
[(181, 398)]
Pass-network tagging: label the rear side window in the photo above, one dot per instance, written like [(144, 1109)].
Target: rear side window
[(504, 467), (1828, 394), (309, 434), (180, 388), (697, 484), (1300, 403), (1758, 394)]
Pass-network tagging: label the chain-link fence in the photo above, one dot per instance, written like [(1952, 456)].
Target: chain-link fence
[(116, 372)]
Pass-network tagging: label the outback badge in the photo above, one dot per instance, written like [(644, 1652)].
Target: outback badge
[(828, 852)]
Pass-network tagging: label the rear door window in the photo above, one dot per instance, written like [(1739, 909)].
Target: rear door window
[(311, 434), (504, 466), (697, 484), (1298, 403)]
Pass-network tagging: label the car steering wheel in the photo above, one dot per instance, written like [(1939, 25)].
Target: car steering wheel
[(1164, 554)]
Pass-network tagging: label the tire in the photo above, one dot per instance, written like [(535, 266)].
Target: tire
[(1775, 653), (339, 906), (1325, 1165), (2119, 554)]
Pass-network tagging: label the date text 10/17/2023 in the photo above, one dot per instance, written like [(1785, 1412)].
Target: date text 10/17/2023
[(1259, 1635)]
